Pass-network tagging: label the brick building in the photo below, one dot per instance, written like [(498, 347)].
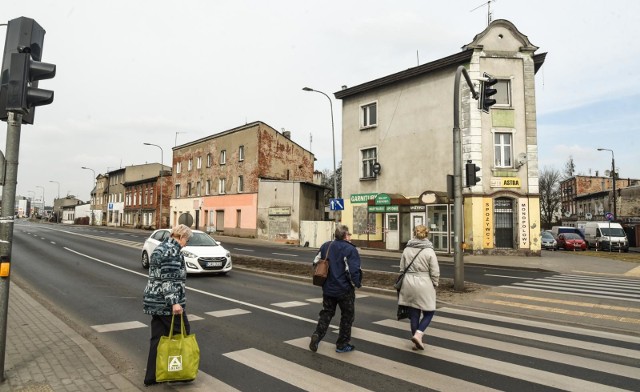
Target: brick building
[(584, 195)]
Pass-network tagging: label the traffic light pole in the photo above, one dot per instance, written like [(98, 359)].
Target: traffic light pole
[(458, 234), (14, 122)]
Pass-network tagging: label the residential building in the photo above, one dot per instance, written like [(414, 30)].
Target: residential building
[(142, 199), (217, 180), (590, 197), (117, 180), (397, 150), (100, 200)]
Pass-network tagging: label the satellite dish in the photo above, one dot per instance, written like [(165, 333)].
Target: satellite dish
[(567, 214), (607, 173)]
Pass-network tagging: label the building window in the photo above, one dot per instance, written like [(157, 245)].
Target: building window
[(189, 189), (240, 184), (223, 157), (199, 163), (190, 164), (177, 193), (238, 218), (209, 160), (178, 167), (369, 115), (221, 185), (502, 149), (198, 188), (241, 153), (208, 187), (503, 93), (369, 156)]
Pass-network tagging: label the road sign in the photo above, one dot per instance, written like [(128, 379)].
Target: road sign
[(608, 216), (336, 204)]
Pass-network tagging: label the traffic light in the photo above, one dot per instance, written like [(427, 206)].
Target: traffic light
[(22, 69), (487, 92), (472, 179)]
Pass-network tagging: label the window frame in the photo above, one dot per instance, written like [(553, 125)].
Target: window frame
[(240, 184), (223, 157), (241, 153), (178, 167), (366, 163), (199, 163), (502, 164), (177, 190), (365, 115), (222, 182), (500, 87)]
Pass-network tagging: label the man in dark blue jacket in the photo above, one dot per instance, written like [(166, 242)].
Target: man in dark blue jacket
[(339, 288)]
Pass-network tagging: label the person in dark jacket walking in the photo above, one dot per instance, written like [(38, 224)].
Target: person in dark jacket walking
[(164, 294), (344, 277)]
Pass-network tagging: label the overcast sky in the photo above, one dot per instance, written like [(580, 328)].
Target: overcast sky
[(158, 71)]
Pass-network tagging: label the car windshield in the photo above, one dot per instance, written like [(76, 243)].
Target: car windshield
[(201, 239), (547, 236), (572, 236), (613, 232)]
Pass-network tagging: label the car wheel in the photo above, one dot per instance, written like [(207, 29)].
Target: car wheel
[(145, 260)]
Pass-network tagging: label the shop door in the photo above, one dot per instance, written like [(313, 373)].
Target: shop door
[(392, 238), (219, 220), (503, 217)]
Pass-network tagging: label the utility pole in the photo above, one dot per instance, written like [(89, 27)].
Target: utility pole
[(458, 234)]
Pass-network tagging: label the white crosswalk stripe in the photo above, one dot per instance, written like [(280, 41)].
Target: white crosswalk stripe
[(586, 286)]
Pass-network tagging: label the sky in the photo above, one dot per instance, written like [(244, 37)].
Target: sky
[(170, 72)]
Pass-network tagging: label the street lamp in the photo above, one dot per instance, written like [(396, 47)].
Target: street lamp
[(613, 176), (94, 186), (54, 203), (38, 186), (333, 137), (161, 169)]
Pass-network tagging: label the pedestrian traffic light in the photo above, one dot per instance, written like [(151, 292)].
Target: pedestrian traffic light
[(472, 179), (22, 69), (487, 91)]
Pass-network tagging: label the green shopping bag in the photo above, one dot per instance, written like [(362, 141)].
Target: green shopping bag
[(178, 356)]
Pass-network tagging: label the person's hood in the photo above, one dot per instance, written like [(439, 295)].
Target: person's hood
[(417, 243)]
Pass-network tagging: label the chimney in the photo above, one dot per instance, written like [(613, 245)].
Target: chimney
[(286, 134)]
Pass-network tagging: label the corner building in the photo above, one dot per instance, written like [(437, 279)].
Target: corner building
[(398, 150)]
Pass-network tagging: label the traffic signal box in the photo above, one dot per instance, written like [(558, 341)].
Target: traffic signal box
[(22, 69), (471, 169), (487, 91)]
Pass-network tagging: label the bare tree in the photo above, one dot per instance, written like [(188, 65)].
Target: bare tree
[(549, 194), (569, 168)]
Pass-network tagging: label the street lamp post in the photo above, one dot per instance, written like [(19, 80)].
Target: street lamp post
[(54, 203), (333, 137), (161, 170), (94, 186), (43, 203), (613, 176)]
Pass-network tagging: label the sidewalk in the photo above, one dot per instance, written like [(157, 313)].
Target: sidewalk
[(43, 354)]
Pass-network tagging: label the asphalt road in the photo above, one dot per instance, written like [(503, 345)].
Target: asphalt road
[(253, 330)]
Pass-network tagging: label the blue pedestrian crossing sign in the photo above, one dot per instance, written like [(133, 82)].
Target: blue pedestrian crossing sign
[(608, 216), (336, 204)]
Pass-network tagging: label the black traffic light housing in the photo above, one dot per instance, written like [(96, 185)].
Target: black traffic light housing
[(487, 91), (22, 69), (471, 168)]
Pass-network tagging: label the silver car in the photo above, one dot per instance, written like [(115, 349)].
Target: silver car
[(548, 241), (202, 254)]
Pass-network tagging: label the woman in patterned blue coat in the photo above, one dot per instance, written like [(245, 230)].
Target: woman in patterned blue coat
[(164, 294)]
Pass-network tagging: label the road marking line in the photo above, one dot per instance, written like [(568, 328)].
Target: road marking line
[(408, 373), (118, 326), (227, 313), (285, 254), (633, 272), (533, 352), (525, 286), (290, 304), (290, 372), (244, 250), (589, 284), (562, 311), (509, 277), (564, 302), (543, 325), (565, 292)]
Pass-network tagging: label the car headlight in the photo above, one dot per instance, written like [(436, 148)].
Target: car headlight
[(188, 254)]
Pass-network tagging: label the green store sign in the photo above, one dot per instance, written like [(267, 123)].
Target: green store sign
[(362, 197), (383, 200)]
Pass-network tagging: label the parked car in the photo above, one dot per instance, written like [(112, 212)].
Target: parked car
[(571, 241), (606, 235), (548, 240), (202, 254), (556, 230)]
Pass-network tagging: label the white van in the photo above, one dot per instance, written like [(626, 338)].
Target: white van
[(606, 235)]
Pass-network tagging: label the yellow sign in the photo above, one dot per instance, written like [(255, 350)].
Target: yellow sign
[(505, 182), (523, 218), (487, 223)]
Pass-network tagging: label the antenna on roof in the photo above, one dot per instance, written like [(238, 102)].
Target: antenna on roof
[(488, 4)]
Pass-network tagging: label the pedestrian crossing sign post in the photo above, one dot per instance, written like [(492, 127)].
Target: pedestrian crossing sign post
[(336, 204)]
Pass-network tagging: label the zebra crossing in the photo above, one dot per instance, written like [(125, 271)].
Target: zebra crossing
[(587, 286), (465, 351)]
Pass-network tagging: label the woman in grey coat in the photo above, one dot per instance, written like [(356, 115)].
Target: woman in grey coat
[(420, 281)]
